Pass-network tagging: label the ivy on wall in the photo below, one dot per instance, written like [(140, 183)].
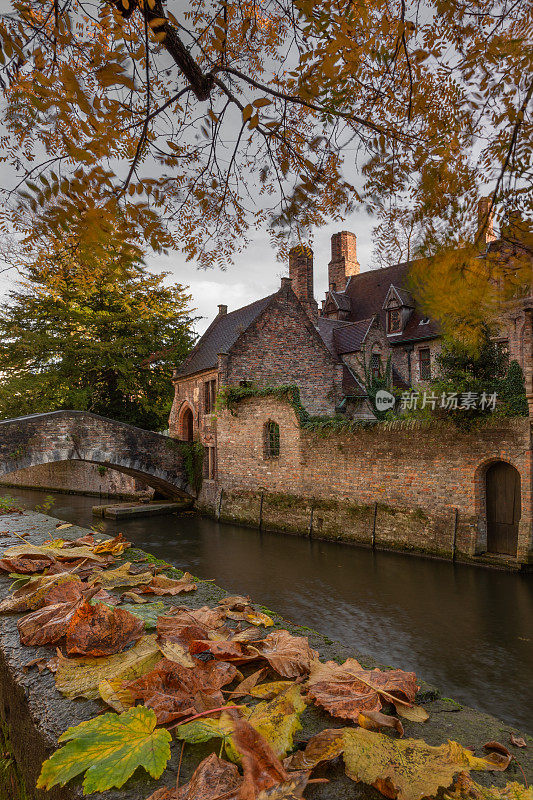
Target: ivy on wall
[(193, 463)]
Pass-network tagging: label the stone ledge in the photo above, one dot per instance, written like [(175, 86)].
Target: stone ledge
[(35, 714)]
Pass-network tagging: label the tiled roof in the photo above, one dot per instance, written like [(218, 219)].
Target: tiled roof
[(220, 336), (351, 385), (367, 292), (326, 328), (341, 301), (349, 338)]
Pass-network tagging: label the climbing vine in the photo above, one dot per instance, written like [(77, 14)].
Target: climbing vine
[(193, 463), (229, 398)]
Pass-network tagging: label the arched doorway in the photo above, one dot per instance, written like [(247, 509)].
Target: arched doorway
[(187, 425), (502, 488)]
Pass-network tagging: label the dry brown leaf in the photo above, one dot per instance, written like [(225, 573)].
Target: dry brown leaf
[(175, 652), (36, 592), (46, 625), (174, 691), (289, 656), (135, 597), (375, 721), (26, 565), (120, 576), (114, 546), (347, 690), (213, 779), (97, 630), (235, 603), (518, 741), (233, 652), (245, 686), (324, 746), (161, 585)]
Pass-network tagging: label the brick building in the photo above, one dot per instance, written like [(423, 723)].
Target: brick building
[(365, 319)]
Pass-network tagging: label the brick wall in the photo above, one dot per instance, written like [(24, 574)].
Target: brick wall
[(410, 489), (283, 347)]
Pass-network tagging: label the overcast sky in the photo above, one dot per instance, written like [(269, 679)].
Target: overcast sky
[(256, 271)]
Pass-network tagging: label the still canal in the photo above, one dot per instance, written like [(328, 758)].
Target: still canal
[(467, 630)]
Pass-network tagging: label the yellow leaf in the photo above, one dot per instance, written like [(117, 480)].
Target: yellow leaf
[(111, 578), (412, 768), (115, 695), (175, 652), (279, 719), (80, 677)]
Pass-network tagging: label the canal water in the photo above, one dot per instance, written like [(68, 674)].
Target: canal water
[(467, 630)]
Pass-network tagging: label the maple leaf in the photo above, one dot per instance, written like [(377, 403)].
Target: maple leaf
[(289, 656), (409, 769), (80, 677), (109, 749), (174, 691), (212, 779), (161, 585), (26, 565), (347, 690), (111, 578), (100, 630), (115, 694)]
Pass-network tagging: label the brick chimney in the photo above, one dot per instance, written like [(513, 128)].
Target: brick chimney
[(301, 275), (485, 221), (343, 260)]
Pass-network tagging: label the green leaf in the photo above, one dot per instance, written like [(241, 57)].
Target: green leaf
[(148, 612), (108, 748)]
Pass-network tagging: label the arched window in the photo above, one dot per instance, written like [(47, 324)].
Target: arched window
[(271, 439), (186, 426)]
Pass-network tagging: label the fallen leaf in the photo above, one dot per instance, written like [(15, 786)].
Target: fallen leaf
[(266, 691), (135, 597), (278, 719), (496, 747), (116, 695), (347, 690), (46, 625), (246, 686), (109, 749), (59, 553), (235, 602), (251, 616), (324, 746), (466, 789), (175, 652), (375, 721), (234, 652), (289, 656), (114, 546), (213, 779), (263, 772), (174, 691), (34, 593), (518, 741), (25, 565), (62, 525), (160, 584), (112, 578), (409, 769), (40, 663), (80, 677), (98, 630)]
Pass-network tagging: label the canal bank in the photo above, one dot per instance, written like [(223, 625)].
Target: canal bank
[(459, 627), (34, 714)]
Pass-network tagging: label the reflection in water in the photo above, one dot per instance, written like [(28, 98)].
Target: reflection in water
[(465, 629)]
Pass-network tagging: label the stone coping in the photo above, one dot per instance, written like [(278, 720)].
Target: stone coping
[(33, 713)]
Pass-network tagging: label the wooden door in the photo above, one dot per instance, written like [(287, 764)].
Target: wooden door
[(503, 508)]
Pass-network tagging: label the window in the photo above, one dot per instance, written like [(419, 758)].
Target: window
[(394, 320), (424, 321), (271, 440), (375, 365), (424, 362), (210, 396)]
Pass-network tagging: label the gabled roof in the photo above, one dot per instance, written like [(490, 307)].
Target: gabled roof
[(367, 292), (340, 300), (326, 328), (404, 297), (220, 336)]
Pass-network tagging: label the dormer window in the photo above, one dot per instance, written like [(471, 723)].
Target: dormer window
[(394, 320)]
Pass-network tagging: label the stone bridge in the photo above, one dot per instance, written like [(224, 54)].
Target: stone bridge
[(79, 436)]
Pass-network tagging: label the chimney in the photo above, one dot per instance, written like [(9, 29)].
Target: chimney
[(301, 275), (343, 260), (485, 221), (222, 309)]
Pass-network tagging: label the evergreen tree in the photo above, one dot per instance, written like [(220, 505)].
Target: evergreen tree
[(98, 334)]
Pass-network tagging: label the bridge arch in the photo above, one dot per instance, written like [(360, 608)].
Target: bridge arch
[(80, 436)]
